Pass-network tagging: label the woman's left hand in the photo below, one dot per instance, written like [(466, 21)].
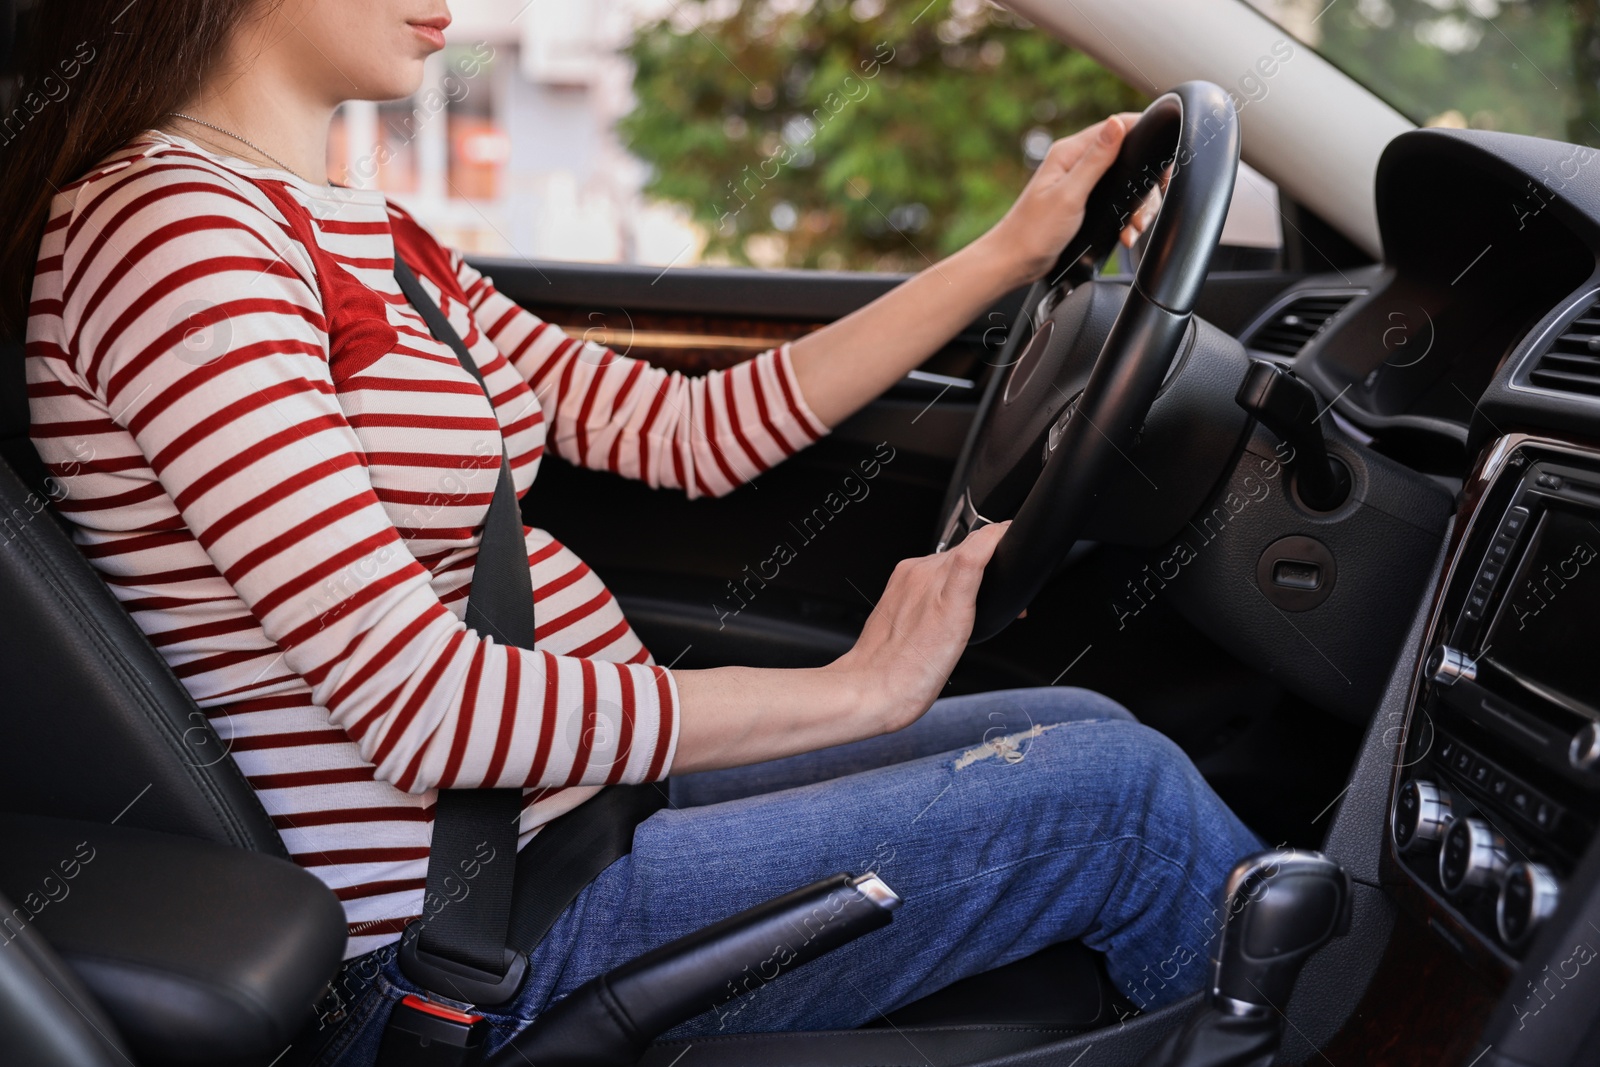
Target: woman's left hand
[(1050, 210), (846, 363)]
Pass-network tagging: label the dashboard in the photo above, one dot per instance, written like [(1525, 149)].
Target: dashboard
[(1474, 262), (1472, 355), (1491, 245)]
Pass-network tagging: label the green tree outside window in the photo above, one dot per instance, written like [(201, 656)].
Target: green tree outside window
[(1520, 66), (856, 135)]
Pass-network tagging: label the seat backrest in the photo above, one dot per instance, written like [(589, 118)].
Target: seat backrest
[(93, 723)]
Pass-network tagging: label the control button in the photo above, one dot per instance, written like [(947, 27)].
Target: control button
[(1584, 752), (1296, 574), (1499, 784), (1514, 521), (1481, 773), (1421, 813), (1488, 576), (1548, 481), (1473, 856), (1446, 665), (1477, 603), (1528, 896), (1463, 762), (1520, 799), (1500, 548), (1545, 815), (1447, 749)]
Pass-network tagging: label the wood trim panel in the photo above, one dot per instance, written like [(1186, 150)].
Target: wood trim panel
[(670, 341), (696, 343), (1425, 1007), (692, 344)]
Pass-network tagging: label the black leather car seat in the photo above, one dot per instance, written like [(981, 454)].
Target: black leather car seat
[(47, 1017)]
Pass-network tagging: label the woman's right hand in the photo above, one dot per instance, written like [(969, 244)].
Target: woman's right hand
[(731, 716), (918, 629)]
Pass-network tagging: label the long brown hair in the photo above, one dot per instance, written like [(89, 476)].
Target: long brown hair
[(90, 75)]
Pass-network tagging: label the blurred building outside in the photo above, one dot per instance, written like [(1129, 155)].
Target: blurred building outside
[(508, 147)]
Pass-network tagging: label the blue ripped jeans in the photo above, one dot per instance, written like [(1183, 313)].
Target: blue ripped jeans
[(1006, 821)]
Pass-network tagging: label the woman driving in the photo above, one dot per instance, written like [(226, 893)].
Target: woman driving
[(284, 475)]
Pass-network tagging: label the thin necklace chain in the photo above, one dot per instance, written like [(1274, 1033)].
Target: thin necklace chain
[(229, 133)]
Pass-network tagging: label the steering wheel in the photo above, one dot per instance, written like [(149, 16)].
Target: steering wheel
[(1045, 441)]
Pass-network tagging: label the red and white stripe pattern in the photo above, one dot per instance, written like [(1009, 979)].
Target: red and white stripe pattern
[(283, 477)]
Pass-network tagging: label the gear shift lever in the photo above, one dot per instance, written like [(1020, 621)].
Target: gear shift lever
[(1283, 905)]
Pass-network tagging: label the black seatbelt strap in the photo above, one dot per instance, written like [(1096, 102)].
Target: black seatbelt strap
[(482, 917), (570, 852), (472, 859)]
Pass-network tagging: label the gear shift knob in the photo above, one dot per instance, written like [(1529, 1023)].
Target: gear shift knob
[(1283, 905)]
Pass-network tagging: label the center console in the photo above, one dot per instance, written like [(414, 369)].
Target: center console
[(1497, 795)]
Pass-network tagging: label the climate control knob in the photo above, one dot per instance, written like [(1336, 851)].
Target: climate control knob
[(1473, 856), (1528, 896), (1584, 752), (1421, 813), (1447, 666)]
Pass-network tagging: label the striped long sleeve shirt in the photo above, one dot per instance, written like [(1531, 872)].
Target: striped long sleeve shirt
[(283, 477)]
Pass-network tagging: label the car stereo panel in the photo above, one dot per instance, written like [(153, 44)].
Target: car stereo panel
[(1498, 793)]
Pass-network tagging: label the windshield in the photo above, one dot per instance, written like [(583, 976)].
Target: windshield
[(1522, 66)]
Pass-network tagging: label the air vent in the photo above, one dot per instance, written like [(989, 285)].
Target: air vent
[(1293, 326), (1572, 362)]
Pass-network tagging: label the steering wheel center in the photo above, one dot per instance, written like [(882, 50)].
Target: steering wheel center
[(1023, 370), (1041, 383)]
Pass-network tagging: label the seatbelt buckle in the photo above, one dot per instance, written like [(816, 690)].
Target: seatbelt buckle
[(431, 1033), (473, 986)]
